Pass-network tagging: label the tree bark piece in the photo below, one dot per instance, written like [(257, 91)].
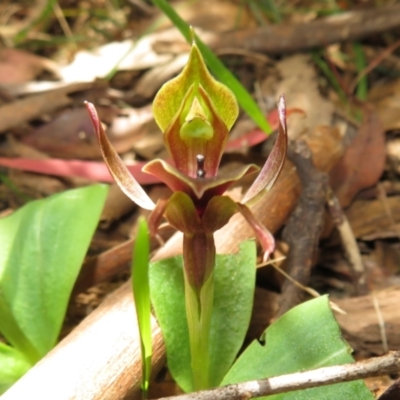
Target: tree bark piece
[(100, 359)]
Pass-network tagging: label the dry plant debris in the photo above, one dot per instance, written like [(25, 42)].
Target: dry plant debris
[(118, 53)]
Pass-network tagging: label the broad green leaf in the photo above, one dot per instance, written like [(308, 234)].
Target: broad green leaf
[(306, 337), (43, 245), (141, 294), (13, 365), (233, 300), (217, 67), (10, 329)]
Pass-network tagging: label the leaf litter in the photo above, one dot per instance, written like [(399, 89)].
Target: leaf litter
[(118, 57)]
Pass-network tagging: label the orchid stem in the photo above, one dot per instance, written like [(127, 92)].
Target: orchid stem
[(199, 307)]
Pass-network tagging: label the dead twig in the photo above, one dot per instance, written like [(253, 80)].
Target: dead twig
[(347, 238), (307, 218), (301, 380), (381, 322)]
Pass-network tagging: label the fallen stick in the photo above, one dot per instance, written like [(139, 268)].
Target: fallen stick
[(292, 37), (100, 359), (300, 380), (309, 212), (278, 39)]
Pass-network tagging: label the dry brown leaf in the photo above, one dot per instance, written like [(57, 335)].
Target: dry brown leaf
[(393, 154), (299, 84), (151, 81), (386, 99), (363, 162), (369, 218), (215, 16), (20, 111), (360, 324), (18, 66), (70, 134), (126, 55)]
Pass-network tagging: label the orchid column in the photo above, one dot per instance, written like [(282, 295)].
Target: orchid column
[(195, 113)]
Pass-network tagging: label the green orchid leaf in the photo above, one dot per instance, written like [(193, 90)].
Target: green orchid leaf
[(305, 338), (43, 245), (199, 307), (128, 184), (13, 364), (11, 330), (233, 300), (217, 67), (274, 164), (141, 294)]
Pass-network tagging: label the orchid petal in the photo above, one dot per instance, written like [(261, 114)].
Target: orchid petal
[(263, 235), (117, 168), (156, 216), (170, 97), (218, 212), (274, 163), (196, 188), (181, 213), (186, 136)]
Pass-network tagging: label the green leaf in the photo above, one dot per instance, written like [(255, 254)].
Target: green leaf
[(306, 337), (199, 303), (217, 67), (361, 64), (317, 57), (141, 294), (13, 365), (43, 245), (233, 300)]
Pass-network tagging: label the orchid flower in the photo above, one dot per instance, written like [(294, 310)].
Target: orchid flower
[(195, 114)]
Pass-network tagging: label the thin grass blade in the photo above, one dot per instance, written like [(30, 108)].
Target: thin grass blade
[(141, 294)]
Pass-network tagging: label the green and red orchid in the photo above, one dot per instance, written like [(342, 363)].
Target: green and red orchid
[(195, 114)]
